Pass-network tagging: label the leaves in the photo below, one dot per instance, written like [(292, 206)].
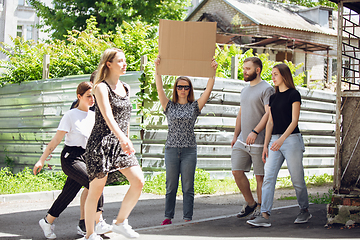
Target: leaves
[(65, 15), (224, 54), (79, 54)]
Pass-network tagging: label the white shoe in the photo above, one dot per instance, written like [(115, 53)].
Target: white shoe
[(125, 229), (48, 229), (102, 227), (80, 231), (93, 236)]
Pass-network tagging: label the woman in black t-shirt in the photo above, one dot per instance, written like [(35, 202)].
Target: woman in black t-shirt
[(285, 142)]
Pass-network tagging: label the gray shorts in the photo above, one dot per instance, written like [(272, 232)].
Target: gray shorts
[(243, 155)]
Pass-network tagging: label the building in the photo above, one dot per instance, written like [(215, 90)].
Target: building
[(284, 31), (18, 18)]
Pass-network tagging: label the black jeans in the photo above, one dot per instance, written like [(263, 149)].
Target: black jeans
[(73, 165)]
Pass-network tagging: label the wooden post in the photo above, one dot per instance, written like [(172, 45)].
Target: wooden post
[(234, 67), (143, 62), (337, 160), (46, 66)]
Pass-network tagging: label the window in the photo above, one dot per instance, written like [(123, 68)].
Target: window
[(19, 31), (22, 3), (29, 32)]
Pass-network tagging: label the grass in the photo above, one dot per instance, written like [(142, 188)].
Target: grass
[(25, 181)]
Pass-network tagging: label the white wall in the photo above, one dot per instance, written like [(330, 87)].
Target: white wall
[(15, 14)]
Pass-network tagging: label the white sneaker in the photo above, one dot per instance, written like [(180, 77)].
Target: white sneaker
[(48, 229), (125, 229), (93, 236), (102, 227), (80, 231)]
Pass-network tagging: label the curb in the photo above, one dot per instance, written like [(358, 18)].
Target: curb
[(52, 195)]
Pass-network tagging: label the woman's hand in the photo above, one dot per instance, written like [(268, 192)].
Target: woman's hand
[(214, 65), (265, 154), (127, 146), (157, 61), (277, 145), (38, 166)]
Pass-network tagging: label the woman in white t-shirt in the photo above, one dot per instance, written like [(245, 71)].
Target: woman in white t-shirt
[(76, 126)]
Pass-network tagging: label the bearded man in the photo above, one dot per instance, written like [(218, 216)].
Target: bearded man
[(249, 134)]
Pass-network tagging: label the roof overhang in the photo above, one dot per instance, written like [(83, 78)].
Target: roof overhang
[(351, 4), (280, 40)]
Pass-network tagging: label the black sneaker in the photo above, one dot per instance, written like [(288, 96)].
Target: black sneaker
[(81, 229), (246, 210)]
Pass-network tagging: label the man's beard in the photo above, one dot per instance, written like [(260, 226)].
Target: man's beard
[(251, 77)]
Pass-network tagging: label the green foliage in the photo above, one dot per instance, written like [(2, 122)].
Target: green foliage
[(25, 181), (324, 199), (202, 183), (80, 54), (314, 180), (64, 15), (156, 184), (310, 3), (223, 57)]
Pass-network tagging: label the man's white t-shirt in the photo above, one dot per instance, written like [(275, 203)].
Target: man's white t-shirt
[(78, 125)]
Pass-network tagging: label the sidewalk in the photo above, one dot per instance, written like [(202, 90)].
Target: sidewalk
[(214, 218)]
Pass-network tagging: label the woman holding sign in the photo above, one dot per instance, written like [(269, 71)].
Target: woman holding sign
[(180, 147)]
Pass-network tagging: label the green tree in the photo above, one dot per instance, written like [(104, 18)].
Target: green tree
[(80, 54), (310, 3), (66, 15), (224, 54)]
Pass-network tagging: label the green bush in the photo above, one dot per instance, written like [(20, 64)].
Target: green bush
[(25, 181), (223, 57), (79, 54)]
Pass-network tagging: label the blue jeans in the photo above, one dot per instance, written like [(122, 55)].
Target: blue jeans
[(291, 150), (180, 161)]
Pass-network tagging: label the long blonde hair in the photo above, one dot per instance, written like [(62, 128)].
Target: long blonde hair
[(103, 70)]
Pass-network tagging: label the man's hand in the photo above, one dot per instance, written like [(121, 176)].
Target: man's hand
[(251, 138)]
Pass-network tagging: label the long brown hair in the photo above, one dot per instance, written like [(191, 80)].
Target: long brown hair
[(190, 96), (103, 70), (81, 89), (286, 75)]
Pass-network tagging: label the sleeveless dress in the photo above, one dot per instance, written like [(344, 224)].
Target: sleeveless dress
[(103, 150)]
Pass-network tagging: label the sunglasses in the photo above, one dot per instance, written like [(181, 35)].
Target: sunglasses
[(181, 87)]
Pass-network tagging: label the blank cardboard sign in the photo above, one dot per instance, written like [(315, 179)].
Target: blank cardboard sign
[(186, 48)]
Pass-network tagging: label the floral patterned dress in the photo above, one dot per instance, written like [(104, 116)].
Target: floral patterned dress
[(103, 150)]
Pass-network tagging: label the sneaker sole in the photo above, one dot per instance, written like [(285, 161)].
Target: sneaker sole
[(259, 225), (305, 221), (244, 216), (80, 232), (100, 233)]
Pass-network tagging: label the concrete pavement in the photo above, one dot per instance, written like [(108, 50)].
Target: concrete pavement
[(214, 218)]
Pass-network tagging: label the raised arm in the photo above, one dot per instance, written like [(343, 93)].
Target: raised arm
[(210, 84), (159, 85), (294, 122), (102, 99), (55, 141)]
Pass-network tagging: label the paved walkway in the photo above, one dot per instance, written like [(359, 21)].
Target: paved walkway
[(214, 218)]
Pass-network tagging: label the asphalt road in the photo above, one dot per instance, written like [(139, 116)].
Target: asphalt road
[(214, 218)]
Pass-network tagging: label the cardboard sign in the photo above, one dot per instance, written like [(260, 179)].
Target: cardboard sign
[(186, 48)]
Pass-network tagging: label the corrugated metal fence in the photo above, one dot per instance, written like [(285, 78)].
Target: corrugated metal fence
[(215, 127), (30, 113)]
